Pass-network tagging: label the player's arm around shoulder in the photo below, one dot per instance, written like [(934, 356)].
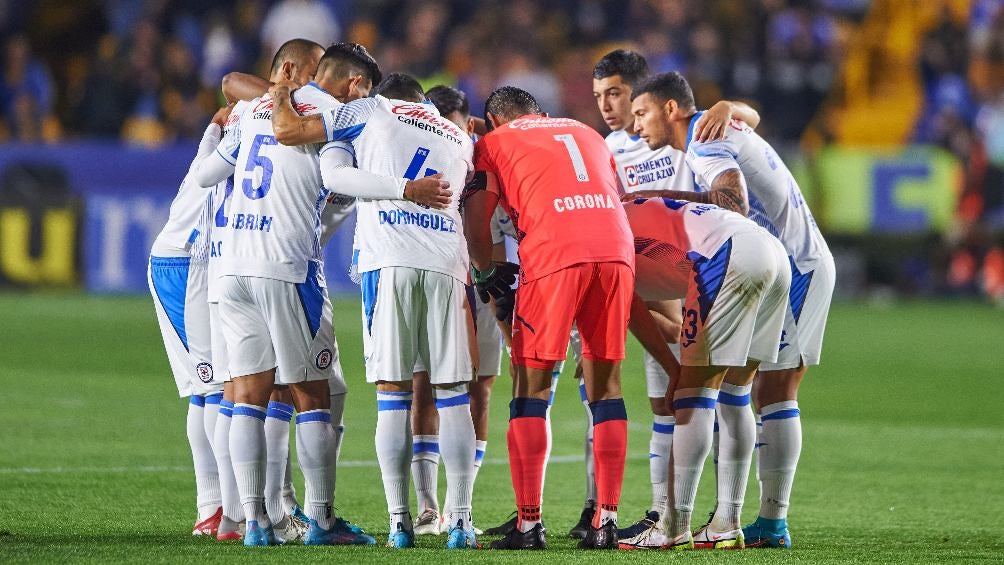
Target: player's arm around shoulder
[(288, 126)]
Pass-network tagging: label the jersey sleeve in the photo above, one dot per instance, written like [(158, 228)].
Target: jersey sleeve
[(348, 121), (483, 160), (340, 176), (710, 159), (216, 166)]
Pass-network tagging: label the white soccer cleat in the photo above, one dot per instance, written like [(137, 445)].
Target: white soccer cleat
[(292, 531), (428, 523), (705, 538), (652, 538), (682, 541)]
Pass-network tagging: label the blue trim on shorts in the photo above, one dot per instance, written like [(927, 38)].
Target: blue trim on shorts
[(370, 282), (710, 275), (170, 282), (799, 289), (311, 295)]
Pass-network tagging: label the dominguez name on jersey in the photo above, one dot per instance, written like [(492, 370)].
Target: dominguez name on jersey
[(433, 222)]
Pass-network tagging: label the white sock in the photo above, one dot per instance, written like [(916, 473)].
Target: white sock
[(457, 446), (480, 446), (337, 424), (231, 498), (425, 471), (393, 448), (660, 448), (278, 416), (207, 479), (209, 414), (247, 452), (736, 437), (695, 420), (590, 501), (777, 457), (289, 501), (316, 455)]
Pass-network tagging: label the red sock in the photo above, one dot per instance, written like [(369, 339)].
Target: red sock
[(527, 439), (609, 451)]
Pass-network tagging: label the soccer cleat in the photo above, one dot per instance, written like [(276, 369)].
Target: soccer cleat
[(293, 530), (427, 523), (503, 528), (299, 514), (680, 542), (579, 530), (459, 538), (230, 530), (651, 518), (355, 529), (652, 538), (210, 525), (401, 538), (604, 537), (515, 539), (707, 539), (767, 533), (257, 535), (338, 534)]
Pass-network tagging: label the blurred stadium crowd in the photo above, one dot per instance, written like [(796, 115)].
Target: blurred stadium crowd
[(148, 72)]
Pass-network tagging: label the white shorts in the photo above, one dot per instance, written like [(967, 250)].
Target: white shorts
[(220, 358), (490, 340), (269, 323), (656, 380), (416, 318), (734, 310), (808, 305), (178, 286)]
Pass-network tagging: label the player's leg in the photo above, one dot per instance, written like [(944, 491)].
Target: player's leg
[(425, 454), (581, 527), (278, 416), (776, 393), (489, 342), (233, 514), (390, 352), (602, 319)]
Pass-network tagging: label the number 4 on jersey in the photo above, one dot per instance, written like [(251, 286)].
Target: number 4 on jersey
[(416, 165)]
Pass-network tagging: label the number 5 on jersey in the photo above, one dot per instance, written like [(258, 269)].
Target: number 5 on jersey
[(255, 160)]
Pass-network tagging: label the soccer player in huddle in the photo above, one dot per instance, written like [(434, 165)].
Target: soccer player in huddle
[(639, 167), (742, 172), (414, 265), (555, 179)]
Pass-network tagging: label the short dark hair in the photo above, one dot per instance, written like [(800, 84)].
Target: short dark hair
[(400, 86), (350, 59), (449, 100), (667, 86), (629, 65), (510, 102), (295, 50)]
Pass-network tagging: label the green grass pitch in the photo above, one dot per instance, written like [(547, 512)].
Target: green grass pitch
[(903, 457)]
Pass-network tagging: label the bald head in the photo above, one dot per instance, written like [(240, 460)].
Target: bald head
[(296, 61)]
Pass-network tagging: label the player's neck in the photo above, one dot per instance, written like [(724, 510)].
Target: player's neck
[(681, 132)]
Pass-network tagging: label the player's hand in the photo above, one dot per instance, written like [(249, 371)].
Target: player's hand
[(496, 282), (281, 88), (221, 115), (433, 192), (631, 196), (504, 307), (670, 391), (712, 123)]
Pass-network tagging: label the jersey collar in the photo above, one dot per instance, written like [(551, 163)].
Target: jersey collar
[(315, 85), (690, 128)]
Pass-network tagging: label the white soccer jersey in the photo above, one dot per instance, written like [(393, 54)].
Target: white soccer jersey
[(669, 235), (217, 218), (640, 168), (501, 226), (272, 233), (775, 201), (394, 138), (185, 230)]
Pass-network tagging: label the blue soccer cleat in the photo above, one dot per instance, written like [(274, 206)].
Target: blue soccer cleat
[(460, 538), (257, 535), (767, 533), (298, 514), (338, 534), (401, 538), (352, 527)]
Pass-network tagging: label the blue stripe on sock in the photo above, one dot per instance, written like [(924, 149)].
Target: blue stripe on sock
[(653, 455), (479, 454), (452, 401), (733, 400), (226, 408), (693, 402), (197, 400), (214, 398), (527, 408), (279, 411), (582, 391), (394, 404), (662, 428), (394, 393), (781, 414), (424, 447), (550, 399), (308, 417), (608, 410), (249, 412)]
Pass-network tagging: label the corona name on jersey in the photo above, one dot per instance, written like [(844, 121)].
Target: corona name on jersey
[(583, 201)]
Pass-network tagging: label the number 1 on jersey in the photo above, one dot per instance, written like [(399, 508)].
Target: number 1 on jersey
[(575, 155)]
